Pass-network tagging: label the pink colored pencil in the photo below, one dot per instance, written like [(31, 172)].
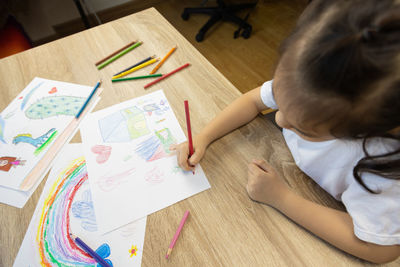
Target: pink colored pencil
[(166, 75), (171, 246)]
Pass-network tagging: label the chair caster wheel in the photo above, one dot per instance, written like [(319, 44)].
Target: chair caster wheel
[(185, 16), (246, 33), (199, 37)]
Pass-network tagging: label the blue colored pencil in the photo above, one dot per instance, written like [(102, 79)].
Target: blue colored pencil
[(90, 251), (88, 99), (137, 64)]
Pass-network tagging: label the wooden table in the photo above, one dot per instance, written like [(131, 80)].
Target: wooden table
[(225, 228)]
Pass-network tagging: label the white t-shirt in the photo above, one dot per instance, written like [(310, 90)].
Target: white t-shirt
[(376, 217)]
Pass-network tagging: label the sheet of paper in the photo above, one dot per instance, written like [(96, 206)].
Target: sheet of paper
[(66, 206), (132, 172), (32, 123), (18, 198)]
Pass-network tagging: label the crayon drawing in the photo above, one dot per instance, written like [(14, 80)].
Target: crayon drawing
[(53, 240), (103, 153), (32, 124), (123, 126), (6, 163), (157, 146), (66, 207), (133, 251), (144, 145), (28, 96), (110, 182), (53, 106), (36, 142), (83, 209), (155, 176)]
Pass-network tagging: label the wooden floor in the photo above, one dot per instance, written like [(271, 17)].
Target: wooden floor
[(247, 63)]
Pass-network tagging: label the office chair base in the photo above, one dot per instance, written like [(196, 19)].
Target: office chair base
[(221, 12)]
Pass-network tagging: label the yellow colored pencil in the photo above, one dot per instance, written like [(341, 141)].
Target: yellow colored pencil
[(135, 68), (162, 61)]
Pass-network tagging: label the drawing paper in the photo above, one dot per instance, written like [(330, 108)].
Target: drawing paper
[(132, 172), (32, 123), (66, 206), (18, 198)]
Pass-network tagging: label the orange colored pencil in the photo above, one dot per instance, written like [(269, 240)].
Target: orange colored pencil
[(162, 61), (116, 52)]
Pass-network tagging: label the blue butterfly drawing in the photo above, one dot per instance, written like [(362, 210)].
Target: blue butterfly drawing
[(104, 251)]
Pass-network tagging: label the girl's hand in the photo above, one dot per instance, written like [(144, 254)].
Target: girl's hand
[(264, 184), (182, 153)]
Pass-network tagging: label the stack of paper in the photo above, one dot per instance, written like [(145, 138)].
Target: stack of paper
[(33, 129)]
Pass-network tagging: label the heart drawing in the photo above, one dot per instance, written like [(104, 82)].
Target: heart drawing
[(53, 90), (103, 153)]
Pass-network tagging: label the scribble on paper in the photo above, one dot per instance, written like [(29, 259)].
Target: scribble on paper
[(157, 146), (28, 96), (54, 105), (123, 126), (6, 163), (103, 153), (84, 210), (110, 182), (154, 176)]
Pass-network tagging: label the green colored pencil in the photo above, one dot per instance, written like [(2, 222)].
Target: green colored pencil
[(108, 61), (137, 77)]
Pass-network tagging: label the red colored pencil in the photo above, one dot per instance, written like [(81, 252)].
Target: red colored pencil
[(166, 75), (189, 128)]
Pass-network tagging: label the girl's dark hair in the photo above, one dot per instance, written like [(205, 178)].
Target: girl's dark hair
[(351, 51)]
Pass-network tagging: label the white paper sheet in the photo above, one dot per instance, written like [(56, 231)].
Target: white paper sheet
[(18, 198), (32, 123), (132, 173), (66, 206)]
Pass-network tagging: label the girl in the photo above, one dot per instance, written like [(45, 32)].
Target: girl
[(337, 88)]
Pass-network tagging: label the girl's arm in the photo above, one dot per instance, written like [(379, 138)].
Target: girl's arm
[(334, 226), (239, 112)]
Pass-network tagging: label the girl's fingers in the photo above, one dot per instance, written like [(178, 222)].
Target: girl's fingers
[(183, 160)]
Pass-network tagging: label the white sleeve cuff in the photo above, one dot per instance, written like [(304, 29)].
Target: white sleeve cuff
[(266, 95)]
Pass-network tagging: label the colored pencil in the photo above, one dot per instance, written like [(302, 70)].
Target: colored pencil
[(151, 61), (171, 246), (88, 99), (162, 60), (189, 129), (136, 78), (117, 56), (90, 251), (166, 75), (116, 52), (137, 64)]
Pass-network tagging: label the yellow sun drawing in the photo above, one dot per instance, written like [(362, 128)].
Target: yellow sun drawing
[(133, 250)]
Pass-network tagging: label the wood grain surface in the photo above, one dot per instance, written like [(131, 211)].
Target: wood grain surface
[(225, 227)]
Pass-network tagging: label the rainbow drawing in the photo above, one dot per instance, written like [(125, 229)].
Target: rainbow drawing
[(55, 247)]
